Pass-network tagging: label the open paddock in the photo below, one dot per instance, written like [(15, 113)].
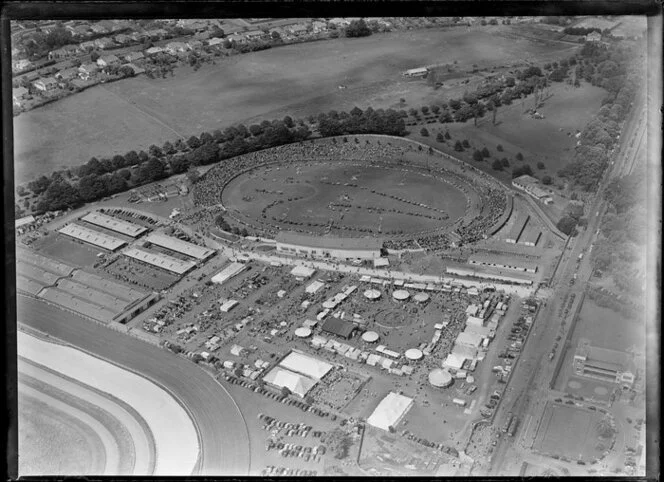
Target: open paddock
[(298, 80), (569, 432), (67, 249), (138, 274)]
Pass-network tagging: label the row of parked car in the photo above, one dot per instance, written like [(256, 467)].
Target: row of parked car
[(427, 443), (313, 454), (292, 429), (272, 470), (279, 397)]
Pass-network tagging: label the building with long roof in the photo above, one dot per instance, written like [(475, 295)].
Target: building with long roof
[(328, 246), (390, 411), (174, 244), (604, 364), (161, 260), (114, 224), (90, 236)]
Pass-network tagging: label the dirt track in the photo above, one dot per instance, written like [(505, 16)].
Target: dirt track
[(223, 434)]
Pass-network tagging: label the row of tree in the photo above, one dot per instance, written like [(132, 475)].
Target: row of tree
[(369, 121)]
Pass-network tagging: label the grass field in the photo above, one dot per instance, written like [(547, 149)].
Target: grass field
[(307, 197), (298, 80), (568, 432), (550, 140), (61, 247)]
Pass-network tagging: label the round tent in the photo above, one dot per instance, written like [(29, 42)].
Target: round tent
[(440, 378), (413, 354), (400, 295), (372, 294), (370, 336), (421, 297), (303, 332)]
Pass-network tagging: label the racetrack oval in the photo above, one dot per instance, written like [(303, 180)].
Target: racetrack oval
[(223, 435)]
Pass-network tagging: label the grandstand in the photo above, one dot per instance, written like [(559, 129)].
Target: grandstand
[(174, 244), (114, 224), (160, 260), (90, 236)]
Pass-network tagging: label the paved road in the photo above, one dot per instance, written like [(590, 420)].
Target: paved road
[(224, 438)]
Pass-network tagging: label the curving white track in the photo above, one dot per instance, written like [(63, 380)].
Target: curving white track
[(175, 435)]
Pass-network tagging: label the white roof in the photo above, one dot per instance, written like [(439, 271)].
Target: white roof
[(390, 411), (474, 321), (380, 262), (464, 351), (160, 260), (302, 272), (93, 237), (314, 286), (228, 305), (24, 220), (228, 272), (370, 336), (180, 246), (469, 339), (114, 224), (372, 294), (440, 378), (413, 354), (421, 297), (236, 350), (472, 310), (303, 332), (306, 365), (454, 360), (400, 295), (296, 383), (482, 331)]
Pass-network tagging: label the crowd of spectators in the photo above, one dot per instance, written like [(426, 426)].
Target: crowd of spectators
[(376, 151)]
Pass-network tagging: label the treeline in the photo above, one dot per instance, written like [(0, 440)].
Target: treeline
[(580, 30), (607, 69), (619, 250), (369, 121)]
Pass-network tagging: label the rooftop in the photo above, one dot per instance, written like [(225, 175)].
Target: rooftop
[(180, 246), (329, 242), (338, 327), (114, 224), (93, 237), (160, 260)]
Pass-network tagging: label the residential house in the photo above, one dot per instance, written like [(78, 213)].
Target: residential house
[(174, 48), (109, 25), (236, 37), (194, 44), (297, 30), (594, 37), (19, 65), (122, 38), (86, 46), (18, 95), (319, 26), (254, 35), (80, 30), (339, 22), (134, 56), (104, 43), (215, 41), (97, 28), (107, 60), (136, 69), (153, 50), (67, 74), (279, 30), (46, 84), (202, 36), (86, 71), (156, 33), (62, 53), (193, 24)]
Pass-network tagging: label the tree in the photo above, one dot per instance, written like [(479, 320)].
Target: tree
[(458, 146), (466, 143), (547, 180), (567, 225), (505, 162), (118, 162), (440, 137), (497, 165), (155, 151), (193, 142), (424, 109), (358, 28), (285, 391), (59, 195), (485, 152), (424, 132), (275, 35), (193, 176), (447, 135), (519, 157), (499, 148), (477, 156), (540, 165), (435, 109), (94, 56)]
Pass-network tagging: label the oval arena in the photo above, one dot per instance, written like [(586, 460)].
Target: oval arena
[(358, 186)]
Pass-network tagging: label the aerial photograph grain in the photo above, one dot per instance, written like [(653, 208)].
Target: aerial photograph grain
[(351, 246)]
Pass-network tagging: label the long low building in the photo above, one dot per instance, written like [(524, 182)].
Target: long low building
[(517, 228), (604, 364), (174, 244), (513, 263), (328, 246), (90, 236), (228, 272), (114, 224), (160, 260), (486, 273), (531, 237)]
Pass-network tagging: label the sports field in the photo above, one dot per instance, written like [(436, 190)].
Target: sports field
[(568, 431), (299, 80), (343, 198)]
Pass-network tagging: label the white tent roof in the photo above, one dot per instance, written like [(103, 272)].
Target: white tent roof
[(302, 272), (305, 364), (390, 411), (469, 339), (296, 383), (474, 320), (464, 351), (314, 286), (228, 272), (453, 360)]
